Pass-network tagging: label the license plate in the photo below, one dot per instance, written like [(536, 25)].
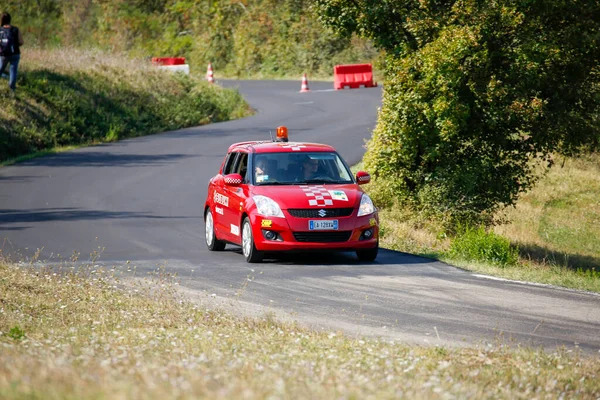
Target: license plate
[(331, 224)]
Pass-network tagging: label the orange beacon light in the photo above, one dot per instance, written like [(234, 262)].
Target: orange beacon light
[(282, 134)]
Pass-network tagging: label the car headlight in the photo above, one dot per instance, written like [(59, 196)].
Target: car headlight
[(267, 206), (366, 206)]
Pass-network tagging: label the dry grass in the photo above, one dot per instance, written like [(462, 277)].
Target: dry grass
[(558, 222), (73, 334), (72, 60), (404, 231)]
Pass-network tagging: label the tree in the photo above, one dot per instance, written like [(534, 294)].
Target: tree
[(477, 95)]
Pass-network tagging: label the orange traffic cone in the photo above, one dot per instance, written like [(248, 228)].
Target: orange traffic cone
[(304, 87), (209, 74)]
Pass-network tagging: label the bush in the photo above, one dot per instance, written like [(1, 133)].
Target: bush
[(478, 95), (479, 245)]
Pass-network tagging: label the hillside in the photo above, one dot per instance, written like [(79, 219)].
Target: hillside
[(98, 97)]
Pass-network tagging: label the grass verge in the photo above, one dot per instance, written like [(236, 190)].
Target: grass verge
[(550, 237), (69, 97), (73, 333)]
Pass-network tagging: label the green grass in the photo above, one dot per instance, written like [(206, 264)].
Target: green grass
[(482, 246), (100, 97), (93, 333)]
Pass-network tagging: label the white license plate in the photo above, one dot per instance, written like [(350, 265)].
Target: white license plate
[(331, 224)]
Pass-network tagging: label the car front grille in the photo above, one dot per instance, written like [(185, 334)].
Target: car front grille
[(323, 237), (320, 212)]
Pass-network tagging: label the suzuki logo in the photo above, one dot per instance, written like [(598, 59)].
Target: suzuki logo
[(322, 213)]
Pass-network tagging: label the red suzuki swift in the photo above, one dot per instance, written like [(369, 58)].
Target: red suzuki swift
[(282, 196)]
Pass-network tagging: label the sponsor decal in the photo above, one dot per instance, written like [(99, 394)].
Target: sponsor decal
[(266, 223), (221, 199), (219, 210), (318, 196), (372, 222), (235, 230), (338, 195)]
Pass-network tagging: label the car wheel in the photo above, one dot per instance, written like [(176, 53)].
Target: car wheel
[(212, 242), (368, 254), (250, 253)]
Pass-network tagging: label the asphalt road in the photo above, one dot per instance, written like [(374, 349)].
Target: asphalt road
[(140, 200)]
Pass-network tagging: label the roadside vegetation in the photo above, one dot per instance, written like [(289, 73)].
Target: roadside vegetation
[(69, 97), (245, 38), (483, 102), (90, 333), (550, 236)]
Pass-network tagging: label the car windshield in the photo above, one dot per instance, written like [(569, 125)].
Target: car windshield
[(299, 168)]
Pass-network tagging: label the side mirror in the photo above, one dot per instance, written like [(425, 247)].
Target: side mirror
[(233, 179), (362, 177)]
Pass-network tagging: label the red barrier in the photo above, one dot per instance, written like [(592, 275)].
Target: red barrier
[(168, 60), (353, 76)]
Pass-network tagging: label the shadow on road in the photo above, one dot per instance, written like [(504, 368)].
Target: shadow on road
[(71, 214), (104, 159), (11, 179), (320, 258)]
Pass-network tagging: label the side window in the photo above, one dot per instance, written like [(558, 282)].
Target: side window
[(241, 165), (229, 163)]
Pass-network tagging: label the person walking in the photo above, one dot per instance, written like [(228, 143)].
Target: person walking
[(10, 49)]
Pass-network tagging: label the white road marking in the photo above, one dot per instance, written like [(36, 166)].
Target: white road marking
[(546, 285)]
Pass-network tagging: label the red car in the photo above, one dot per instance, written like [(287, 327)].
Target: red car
[(277, 195)]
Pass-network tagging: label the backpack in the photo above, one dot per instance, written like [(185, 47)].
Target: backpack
[(8, 41)]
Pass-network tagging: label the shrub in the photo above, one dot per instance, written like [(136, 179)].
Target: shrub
[(479, 245)]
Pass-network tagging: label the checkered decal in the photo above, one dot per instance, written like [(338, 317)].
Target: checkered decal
[(364, 178), (293, 146), (318, 196), (232, 181)]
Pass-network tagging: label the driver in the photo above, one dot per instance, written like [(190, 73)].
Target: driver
[(310, 168), (260, 170)]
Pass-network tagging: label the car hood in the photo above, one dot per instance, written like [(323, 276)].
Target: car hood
[(312, 196)]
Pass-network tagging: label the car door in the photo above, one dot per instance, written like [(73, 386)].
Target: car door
[(236, 198), (220, 198)]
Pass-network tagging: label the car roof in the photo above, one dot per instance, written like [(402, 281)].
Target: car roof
[(280, 147)]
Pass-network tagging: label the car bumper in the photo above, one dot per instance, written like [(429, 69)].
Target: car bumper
[(293, 234)]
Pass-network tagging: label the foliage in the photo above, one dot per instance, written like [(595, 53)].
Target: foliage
[(240, 38), (98, 98), (16, 333), (479, 245), (38, 20), (477, 94)]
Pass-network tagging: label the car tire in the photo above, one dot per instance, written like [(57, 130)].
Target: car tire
[(212, 242), (248, 249), (368, 254)]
